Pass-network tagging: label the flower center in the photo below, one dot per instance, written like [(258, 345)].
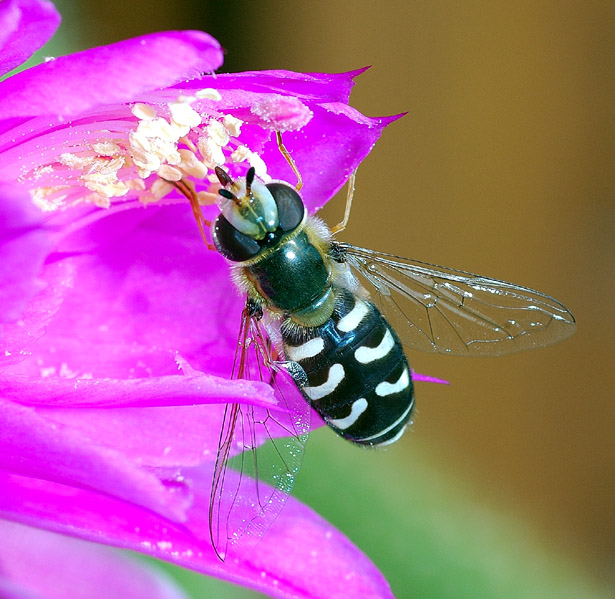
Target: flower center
[(142, 150)]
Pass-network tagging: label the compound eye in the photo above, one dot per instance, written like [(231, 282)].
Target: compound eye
[(290, 205), (231, 243)]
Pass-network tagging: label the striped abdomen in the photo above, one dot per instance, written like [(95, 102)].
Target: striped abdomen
[(358, 376)]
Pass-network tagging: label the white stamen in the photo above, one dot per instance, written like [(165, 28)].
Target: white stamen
[(185, 99), (106, 148), (243, 154), (206, 198), (144, 112), (232, 125), (218, 133), (158, 128), (45, 198), (159, 189), (184, 114), (208, 94), (211, 151), (170, 173), (191, 165), (98, 200)]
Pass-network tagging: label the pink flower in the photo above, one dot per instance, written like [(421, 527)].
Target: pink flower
[(117, 326)]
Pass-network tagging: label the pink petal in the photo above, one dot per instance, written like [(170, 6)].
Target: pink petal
[(25, 25), (18, 339), (38, 447), (345, 137), (327, 149), (320, 87), (150, 291), (301, 556), (119, 72), (172, 390), (424, 378), (24, 245), (13, 590), (50, 566)]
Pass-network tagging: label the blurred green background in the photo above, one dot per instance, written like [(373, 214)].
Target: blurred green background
[(503, 166)]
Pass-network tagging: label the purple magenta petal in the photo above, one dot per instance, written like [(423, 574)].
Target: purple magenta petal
[(24, 245), (13, 590), (301, 556), (19, 339), (39, 447), (25, 25), (320, 87), (326, 150), (151, 291), (171, 390), (424, 378), (330, 147), (119, 72), (51, 566)]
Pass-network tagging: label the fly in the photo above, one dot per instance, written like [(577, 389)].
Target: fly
[(309, 313)]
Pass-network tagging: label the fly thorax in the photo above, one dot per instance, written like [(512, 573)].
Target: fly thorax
[(294, 278), (281, 259), (317, 313)]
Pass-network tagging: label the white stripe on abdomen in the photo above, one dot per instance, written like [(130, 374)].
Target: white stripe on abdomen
[(335, 377), (385, 388), (358, 407)]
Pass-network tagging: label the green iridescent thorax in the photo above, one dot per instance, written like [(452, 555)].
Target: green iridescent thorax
[(294, 278)]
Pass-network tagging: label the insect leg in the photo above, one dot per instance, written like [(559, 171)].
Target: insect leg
[(342, 225), (253, 312), (290, 160)]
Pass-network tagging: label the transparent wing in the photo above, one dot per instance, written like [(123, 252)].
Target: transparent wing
[(260, 450), (439, 309)]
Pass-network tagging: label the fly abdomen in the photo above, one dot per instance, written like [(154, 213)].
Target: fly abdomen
[(358, 376)]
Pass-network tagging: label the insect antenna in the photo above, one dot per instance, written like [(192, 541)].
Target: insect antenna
[(223, 177), (250, 179)]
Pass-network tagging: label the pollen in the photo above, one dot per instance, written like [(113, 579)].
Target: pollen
[(232, 125), (170, 173), (191, 165), (144, 112), (282, 113), (184, 115), (244, 154), (208, 94), (211, 151), (106, 148), (218, 134), (158, 190), (45, 198), (140, 151)]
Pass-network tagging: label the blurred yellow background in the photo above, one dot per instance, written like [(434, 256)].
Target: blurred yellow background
[(503, 166)]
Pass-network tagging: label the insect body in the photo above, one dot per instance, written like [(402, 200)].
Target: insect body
[(358, 378), (341, 352)]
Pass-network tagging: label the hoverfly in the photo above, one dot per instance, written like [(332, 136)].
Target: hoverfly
[(308, 313)]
